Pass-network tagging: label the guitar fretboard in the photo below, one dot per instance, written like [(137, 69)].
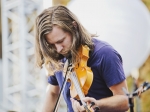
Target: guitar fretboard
[(76, 83)]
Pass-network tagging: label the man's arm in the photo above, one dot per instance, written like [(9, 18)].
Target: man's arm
[(51, 98), (116, 103)]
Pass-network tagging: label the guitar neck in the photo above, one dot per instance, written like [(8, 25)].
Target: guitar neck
[(76, 83)]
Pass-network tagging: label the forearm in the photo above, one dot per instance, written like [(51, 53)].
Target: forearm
[(117, 103), (51, 98), (50, 103)]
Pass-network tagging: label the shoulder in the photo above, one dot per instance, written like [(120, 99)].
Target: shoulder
[(100, 45), (104, 49), (108, 62)]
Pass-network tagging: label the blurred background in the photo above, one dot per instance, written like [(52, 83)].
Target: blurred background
[(124, 24)]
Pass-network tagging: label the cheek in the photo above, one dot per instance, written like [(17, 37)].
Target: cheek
[(68, 43)]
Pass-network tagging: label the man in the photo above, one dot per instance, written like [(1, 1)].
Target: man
[(59, 35)]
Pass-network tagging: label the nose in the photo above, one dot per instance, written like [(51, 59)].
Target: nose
[(58, 48)]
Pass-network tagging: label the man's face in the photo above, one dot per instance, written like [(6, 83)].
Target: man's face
[(60, 40)]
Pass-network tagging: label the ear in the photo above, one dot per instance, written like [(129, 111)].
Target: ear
[(74, 24)]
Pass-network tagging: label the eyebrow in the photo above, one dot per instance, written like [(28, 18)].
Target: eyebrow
[(55, 42), (60, 40)]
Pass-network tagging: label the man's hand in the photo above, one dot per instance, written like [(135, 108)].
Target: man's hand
[(76, 106), (91, 103)]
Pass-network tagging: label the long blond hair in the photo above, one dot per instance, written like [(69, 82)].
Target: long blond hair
[(62, 17)]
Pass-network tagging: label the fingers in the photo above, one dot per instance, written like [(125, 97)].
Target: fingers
[(89, 99), (92, 103), (76, 106)]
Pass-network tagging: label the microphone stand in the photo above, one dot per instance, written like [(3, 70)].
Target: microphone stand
[(144, 87)]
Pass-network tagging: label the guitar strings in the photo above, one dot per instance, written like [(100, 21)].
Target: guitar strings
[(78, 89)]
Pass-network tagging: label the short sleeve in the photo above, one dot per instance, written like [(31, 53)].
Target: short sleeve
[(111, 66), (52, 80)]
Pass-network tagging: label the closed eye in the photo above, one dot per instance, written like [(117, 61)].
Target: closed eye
[(60, 41)]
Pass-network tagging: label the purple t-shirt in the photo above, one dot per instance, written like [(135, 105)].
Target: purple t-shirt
[(106, 65)]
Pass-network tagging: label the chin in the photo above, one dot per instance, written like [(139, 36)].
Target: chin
[(66, 55)]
